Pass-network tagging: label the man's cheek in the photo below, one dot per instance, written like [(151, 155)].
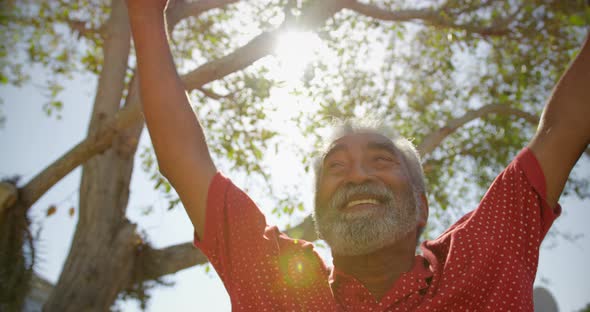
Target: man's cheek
[(324, 197)]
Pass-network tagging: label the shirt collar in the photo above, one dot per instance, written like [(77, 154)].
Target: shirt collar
[(416, 279)]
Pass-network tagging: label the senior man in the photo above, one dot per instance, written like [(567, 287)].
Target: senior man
[(370, 207)]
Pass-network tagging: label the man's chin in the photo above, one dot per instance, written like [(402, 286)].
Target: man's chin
[(348, 249), (362, 235), (347, 242), (362, 212)]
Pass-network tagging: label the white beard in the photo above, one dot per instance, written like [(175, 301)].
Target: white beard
[(363, 232)]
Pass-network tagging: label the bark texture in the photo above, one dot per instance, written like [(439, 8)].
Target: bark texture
[(104, 242)]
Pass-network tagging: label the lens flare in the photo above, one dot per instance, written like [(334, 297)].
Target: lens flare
[(295, 50)]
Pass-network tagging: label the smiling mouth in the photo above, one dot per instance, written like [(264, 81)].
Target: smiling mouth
[(362, 202)]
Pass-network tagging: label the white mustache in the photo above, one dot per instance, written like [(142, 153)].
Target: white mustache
[(346, 193)]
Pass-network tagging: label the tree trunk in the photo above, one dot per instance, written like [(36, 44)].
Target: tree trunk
[(102, 255), (103, 252), (16, 260)]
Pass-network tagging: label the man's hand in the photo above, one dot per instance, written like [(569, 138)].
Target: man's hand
[(564, 129)]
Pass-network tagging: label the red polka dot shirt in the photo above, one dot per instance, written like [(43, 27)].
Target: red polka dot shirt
[(487, 261)]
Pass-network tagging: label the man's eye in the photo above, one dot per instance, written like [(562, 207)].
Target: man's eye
[(383, 158), (335, 165)]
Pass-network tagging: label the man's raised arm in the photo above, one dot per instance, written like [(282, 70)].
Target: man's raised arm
[(176, 134), (564, 129)]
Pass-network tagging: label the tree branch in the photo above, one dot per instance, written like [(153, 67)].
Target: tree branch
[(8, 197), (239, 59), (376, 12), (433, 17), (210, 94), (434, 139), (93, 144), (183, 9), (169, 260), (79, 27)]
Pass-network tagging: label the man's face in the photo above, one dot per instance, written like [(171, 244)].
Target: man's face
[(364, 198)]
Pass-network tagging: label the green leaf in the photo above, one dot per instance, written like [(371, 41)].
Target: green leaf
[(57, 104), (300, 207), (577, 20), (257, 152)]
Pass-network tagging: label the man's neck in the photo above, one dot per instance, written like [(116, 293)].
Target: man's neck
[(379, 270)]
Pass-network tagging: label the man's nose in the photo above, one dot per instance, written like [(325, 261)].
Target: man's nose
[(359, 173)]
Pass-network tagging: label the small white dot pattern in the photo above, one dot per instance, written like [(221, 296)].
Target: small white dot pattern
[(487, 261)]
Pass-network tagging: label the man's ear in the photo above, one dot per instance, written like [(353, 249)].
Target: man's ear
[(423, 217)]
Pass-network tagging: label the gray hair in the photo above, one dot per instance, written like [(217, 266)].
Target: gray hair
[(407, 150)]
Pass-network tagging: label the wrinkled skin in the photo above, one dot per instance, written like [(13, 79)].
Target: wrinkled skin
[(364, 198)]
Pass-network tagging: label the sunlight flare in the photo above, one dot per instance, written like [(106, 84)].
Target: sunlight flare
[(295, 50)]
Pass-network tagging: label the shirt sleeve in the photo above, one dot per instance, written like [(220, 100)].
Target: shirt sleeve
[(528, 165), (492, 252), (489, 258), (235, 229), (516, 200), (257, 263)]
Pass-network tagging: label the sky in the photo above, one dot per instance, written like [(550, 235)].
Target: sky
[(31, 141)]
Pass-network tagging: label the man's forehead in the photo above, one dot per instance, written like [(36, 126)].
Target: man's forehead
[(364, 139)]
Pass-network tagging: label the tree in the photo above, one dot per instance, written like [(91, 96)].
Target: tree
[(466, 81)]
